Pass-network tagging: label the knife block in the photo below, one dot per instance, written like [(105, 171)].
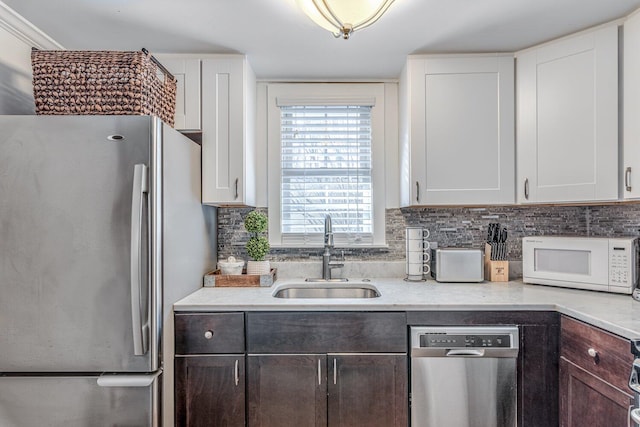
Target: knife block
[(494, 271)]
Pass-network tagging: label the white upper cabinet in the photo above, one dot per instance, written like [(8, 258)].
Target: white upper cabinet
[(457, 130), (567, 123), (187, 73), (217, 95), (228, 134), (631, 133)]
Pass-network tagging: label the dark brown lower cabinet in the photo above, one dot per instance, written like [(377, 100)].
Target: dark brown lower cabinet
[(210, 391), (594, 376), (287, 390), (587, 400), (343, 369), (340, 390), (367, 390)]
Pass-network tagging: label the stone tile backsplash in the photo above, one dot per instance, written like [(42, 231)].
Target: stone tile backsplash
[(453, 227)]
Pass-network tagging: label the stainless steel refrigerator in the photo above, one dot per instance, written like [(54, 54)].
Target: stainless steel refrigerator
[(101, 230)]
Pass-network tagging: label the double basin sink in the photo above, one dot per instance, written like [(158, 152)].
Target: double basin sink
[(312, 288)]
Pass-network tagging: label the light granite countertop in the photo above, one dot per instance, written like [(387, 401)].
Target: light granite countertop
[(619, 314)]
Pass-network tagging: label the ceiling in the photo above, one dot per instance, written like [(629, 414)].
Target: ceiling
[(282, 43)]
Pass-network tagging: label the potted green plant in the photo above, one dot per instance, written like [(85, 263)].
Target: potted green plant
[(258, 246)]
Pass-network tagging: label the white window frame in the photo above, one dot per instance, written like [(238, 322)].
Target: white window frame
[(326, 94)]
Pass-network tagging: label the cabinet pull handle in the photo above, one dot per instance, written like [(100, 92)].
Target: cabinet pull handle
[(236, 196), (417, 191), (335, 371), (627, 179), (594, 354), (526, 188), (319, 373), (236, 373), (208, 335)]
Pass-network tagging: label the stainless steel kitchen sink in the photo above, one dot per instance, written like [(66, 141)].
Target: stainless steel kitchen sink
[(326, 290)]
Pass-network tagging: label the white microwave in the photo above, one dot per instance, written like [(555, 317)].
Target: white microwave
[(594, 263)]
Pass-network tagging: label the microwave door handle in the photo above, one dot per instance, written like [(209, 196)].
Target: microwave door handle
[(137, 205)]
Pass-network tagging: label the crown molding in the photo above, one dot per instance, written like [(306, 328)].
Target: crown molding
[(24, 30)]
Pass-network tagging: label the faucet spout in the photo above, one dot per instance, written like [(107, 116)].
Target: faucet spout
[(328, 233), (327, 264)]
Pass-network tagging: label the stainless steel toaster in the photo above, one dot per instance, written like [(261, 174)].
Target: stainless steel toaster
[(457, 265)]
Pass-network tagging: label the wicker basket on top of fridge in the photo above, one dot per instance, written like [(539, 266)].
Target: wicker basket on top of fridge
[(102, 83)]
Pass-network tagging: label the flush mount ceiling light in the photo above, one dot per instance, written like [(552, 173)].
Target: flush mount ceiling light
[(343, 17)]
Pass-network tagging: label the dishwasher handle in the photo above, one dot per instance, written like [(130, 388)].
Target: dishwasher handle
[(494, 352), (465, 353)]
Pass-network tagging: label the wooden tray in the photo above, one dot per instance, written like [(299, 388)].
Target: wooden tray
[(216, 279)]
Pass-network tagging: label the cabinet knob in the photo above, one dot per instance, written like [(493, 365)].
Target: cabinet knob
[(208, 335), (594, 354)]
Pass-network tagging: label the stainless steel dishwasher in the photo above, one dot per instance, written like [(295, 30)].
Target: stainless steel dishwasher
[(464, 376)]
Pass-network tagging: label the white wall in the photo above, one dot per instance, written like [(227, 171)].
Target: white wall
[(17, 37)]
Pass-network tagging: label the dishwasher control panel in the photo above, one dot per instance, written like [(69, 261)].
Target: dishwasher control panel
[(464, 341)]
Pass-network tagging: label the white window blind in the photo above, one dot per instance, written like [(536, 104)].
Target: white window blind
[(326, 168)]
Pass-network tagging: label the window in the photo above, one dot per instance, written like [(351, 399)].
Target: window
[(325, 149), (326, 169)]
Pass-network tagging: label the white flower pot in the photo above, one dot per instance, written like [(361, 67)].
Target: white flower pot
[(258, 267)]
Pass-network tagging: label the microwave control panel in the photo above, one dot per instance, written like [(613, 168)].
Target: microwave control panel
[(622, 268)]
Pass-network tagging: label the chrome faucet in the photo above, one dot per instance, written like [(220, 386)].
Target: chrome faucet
[(327, 264)]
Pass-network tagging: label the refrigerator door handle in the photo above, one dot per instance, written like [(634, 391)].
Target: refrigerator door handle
[(140, 343), (127, 380)]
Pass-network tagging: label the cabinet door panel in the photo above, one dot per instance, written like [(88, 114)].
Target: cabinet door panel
[(562, 133), (187, 74), (210, 391), (368, 390), (631, 139), (457, 112), (586, 400), (568, 119), (459, 135), (287, 390), (222, 138), (228, 115)]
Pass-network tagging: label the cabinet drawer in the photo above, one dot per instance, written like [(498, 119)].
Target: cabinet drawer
[(326, 332), (209, 333), (613, 360)]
